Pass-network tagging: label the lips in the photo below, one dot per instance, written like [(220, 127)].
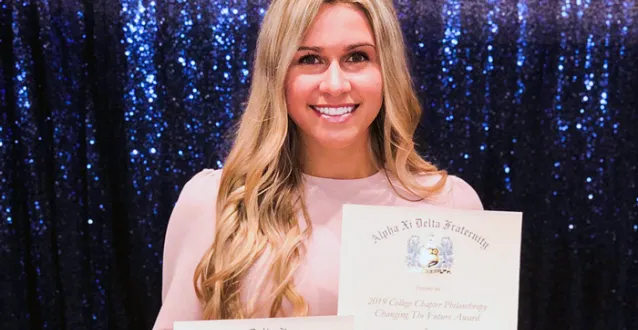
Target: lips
[(335, 114), (335, 110)]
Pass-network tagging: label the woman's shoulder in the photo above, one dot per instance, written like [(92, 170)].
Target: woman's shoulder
[(189, 233), (195, 205), (196, 202), (456, 193), (201, 187)]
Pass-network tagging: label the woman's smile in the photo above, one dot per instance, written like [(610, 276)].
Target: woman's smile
[(335, 113)]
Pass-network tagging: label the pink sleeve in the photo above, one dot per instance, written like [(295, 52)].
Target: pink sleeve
[(464, 196), (189, 234)]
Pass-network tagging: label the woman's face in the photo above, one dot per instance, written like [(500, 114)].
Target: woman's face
[(334, 84)]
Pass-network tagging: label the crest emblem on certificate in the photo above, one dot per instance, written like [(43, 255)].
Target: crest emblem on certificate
[(434, 256)]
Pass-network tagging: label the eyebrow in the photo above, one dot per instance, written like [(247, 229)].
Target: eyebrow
[(349, 47)]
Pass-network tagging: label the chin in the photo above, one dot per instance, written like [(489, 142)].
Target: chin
[(336, 143)]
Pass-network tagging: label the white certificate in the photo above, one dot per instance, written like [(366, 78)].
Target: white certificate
[(429, 268), (290, 323)]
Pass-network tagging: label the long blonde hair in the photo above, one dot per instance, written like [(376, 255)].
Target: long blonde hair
[(260, 193)]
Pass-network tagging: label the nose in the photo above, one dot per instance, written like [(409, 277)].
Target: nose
[(334, 81)]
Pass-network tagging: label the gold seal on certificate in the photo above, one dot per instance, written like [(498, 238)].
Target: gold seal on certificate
[(429, 268), (290, 323)]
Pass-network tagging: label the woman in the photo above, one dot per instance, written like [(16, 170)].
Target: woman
[(330, 121)]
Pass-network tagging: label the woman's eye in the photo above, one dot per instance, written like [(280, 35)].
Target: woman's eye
[(309, 59), (314, 59), (359, 57)]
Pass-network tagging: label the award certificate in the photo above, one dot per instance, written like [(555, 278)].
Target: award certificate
[(291, 323), (429, 268)]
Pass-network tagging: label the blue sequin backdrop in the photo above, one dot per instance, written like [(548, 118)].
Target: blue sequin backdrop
[(108, 107)]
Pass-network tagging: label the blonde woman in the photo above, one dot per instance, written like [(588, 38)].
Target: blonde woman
[(329, 121)]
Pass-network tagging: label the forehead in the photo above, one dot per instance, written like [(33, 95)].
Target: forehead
[(338, 25)]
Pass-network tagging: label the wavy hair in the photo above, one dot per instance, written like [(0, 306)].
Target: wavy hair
[(260, 191)]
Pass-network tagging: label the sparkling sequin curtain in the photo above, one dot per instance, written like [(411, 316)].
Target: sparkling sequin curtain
[(108, 107)]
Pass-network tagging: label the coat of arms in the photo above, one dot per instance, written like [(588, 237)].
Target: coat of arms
[(431, 257)]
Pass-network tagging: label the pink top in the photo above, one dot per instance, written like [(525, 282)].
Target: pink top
[(191, 228)]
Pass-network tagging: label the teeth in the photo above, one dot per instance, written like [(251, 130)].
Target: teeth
[(334, 111)]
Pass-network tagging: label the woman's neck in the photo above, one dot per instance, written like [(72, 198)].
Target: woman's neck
[(352, 162)]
